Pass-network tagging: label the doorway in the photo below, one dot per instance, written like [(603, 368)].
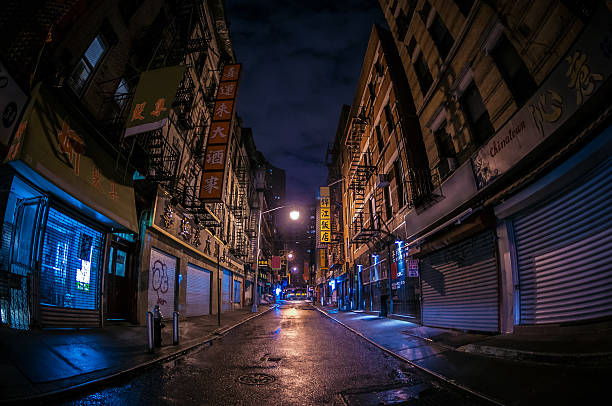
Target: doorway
[(119, 283)]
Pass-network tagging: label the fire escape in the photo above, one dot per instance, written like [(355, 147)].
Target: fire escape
[(365, 224), (185, 38), (238, 205)]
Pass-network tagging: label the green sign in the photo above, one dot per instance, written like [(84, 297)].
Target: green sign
[(59, 147)]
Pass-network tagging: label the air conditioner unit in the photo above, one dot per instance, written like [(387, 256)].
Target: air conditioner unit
[(452, 164), (382, 181)]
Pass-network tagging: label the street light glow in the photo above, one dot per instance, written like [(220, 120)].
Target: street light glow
[(294, 215), (294, 268), (290, 255)]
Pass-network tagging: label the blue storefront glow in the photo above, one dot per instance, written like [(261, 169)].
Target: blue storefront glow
[(278, 291), (401, 264), (332, 284), (71, 261)]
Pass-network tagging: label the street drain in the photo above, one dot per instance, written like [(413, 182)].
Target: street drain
[(255, 379)]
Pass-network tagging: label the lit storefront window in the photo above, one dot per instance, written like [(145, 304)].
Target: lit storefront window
[(72, 254)]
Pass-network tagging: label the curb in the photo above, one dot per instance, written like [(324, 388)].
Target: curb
[(548, 358), (430, 372), (133, 369)]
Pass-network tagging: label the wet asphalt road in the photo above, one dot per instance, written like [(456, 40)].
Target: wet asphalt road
[(290, 356)]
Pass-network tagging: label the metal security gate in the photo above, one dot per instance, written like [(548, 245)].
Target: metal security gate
[(459, 285), (226, 293), (563, 253), (70, 274), (162, 270), (198, 291), (16, 284)]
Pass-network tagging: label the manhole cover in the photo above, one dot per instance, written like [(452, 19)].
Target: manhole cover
[(256, 379)]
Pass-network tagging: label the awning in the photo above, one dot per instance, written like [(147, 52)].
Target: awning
[(55, 149)]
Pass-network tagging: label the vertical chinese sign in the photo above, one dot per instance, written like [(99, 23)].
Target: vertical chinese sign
[(153, 99), (213, 176), (325, 220)]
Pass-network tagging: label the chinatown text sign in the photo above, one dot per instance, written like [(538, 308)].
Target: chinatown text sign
[(583, 70)]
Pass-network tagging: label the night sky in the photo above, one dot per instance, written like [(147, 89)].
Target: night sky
[(301, 62)]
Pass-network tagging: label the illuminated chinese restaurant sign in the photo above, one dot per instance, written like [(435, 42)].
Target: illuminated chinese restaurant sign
[(215, 157), (153, 99), (325, 220), (58, 146)]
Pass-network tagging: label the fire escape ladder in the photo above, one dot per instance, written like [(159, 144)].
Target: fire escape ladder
[(418, 180), (251, 233), (199, 137), (179, 39), (161, 157), (238, 205), (379, 205), (183, 102)]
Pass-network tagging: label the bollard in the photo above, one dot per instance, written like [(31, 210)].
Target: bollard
[(175, 331), (150, 331), (158, 324)]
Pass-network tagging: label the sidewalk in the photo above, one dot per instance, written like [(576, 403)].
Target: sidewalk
[(563, 366), (40, 363)]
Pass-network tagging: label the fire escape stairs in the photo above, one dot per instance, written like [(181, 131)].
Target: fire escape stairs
[(238, 206)]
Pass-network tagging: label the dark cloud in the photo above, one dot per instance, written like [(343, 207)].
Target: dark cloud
[(301, 62)]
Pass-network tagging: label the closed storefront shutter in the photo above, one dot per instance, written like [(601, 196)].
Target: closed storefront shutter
[(198, 291), (227, 277), (237, 291), (460, 285), (563, 253), (72, 255), (161, 282)]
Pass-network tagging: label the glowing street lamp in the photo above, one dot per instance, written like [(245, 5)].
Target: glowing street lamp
[(293, 215)]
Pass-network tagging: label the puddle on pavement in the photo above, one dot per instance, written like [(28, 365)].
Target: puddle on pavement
[(386, 397)]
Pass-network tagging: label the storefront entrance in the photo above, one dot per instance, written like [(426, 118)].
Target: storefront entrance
[(119, 283)]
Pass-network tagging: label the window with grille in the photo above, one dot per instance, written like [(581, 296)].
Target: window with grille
[(71, 261), (86, 65)]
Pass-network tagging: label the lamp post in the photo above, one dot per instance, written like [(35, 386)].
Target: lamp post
[(294, 215)]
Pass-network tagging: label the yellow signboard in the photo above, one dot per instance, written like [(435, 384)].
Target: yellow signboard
[(323, 258), (325, 216)]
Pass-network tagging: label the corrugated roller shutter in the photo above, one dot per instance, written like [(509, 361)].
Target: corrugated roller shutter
[(563, 253), (460, 285), (70, 272), (227, 277), (162, 269), (198, 291)]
